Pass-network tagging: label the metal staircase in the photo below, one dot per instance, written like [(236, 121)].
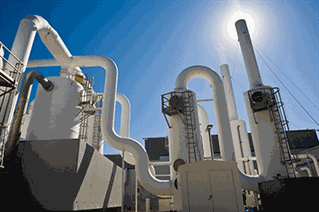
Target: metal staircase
[(10, 75), (281, 124)]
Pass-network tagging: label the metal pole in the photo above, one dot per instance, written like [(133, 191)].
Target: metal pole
[(135, 190), (123, 180), (210, 142)]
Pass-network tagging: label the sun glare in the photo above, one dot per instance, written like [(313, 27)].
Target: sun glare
[(231, 29)]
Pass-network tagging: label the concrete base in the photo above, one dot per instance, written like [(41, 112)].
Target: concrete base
[(67, 175)]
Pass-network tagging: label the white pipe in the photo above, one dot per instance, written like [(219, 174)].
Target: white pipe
[(203, 118), (306, 169), (232, 110), (248, 54), (125, 124), (144, 171), (220, 106), (313, 158), (148, 181)]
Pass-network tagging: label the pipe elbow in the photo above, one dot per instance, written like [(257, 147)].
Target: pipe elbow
[(37, 22), (250, 182)]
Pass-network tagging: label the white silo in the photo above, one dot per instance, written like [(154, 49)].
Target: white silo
[(55, 112), (263, 113)]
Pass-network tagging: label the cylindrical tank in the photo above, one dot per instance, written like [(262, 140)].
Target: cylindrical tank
[(204, 122), (54, 113), (264, 139), (178, 151)]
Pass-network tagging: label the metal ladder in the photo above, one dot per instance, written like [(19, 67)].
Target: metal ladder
[(10, 76), (86, 105), (278, 115), (191, 142)]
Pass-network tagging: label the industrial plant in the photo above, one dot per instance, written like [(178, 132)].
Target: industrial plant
[(52, 147)]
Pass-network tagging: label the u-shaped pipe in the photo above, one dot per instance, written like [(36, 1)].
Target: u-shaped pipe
[(220, 106)]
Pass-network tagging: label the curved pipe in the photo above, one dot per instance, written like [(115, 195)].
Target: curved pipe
[(203, 118), (314, 159), (148, 181), (220, 106), (125, 124), (306, 169), (13, 139)]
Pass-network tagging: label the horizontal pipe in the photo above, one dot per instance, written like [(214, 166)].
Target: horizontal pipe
[(312, 157), (306, 169)]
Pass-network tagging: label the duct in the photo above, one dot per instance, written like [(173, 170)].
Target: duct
[(14, 135), (250, 182), (125, 124), (306, 169), (220, 106), (248, 54), (148, 181), (232, 110), (312, 157), (203, 118)]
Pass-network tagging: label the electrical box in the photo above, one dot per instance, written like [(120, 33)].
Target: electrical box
[(210, 186)]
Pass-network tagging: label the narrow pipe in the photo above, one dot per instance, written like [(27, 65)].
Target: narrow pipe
[(13, 139), (220, 106), (248, 54), (312, 157), (203, 118), (306, 169)]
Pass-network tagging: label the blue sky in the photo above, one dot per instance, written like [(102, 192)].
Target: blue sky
[(153, 41)]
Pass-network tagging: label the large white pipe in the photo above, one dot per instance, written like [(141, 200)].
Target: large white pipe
[(230, 99), (21, 48), (204, 122), (125, 124), (220, 106), (248, 54), (148, 181)]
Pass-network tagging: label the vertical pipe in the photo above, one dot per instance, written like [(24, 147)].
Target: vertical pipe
[(248, 54), (148, 205), (136, 191), (122, 208), (230, 99)]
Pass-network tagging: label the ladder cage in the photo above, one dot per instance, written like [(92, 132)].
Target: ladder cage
[(270, 99), (182, 104)]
